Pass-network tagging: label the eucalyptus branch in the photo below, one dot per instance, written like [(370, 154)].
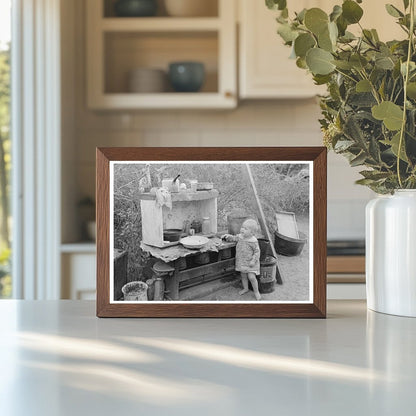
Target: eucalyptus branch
[(406, 79), (392, 91), (373, 88), (346, 75)]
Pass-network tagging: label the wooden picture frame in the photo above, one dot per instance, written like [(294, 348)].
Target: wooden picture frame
[(312, 307)]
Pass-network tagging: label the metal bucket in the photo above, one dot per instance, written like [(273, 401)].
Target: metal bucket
[(289, 246), (135, 291), (267, 278)]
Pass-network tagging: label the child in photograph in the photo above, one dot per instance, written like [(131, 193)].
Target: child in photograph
[(247, 255)]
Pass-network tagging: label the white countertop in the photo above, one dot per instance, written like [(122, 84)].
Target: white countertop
[(57, 358)]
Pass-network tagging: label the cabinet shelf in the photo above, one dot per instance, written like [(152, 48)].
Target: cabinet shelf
[(117, 46), (129, 101), (160, 24)]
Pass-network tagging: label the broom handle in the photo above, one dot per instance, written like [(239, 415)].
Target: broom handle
[(263, 223)]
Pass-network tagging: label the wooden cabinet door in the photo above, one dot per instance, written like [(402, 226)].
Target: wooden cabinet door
[(265, 68)]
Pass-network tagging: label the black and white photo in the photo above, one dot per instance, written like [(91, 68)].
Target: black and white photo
[(211, 232)]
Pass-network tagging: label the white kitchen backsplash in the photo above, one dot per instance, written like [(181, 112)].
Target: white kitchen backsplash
[(258, 123)]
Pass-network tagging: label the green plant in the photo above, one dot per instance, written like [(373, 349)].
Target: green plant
[(369, 113)]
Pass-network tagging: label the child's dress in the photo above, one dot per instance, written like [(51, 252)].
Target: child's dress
[(246, 252)]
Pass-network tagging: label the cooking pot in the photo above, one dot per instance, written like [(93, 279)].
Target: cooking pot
[(172, 234)]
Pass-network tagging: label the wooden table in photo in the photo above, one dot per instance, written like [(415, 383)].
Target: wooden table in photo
[(218, 267)]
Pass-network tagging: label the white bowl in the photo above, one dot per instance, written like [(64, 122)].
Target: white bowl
[(191, 8), (147, 80), (194, 242)]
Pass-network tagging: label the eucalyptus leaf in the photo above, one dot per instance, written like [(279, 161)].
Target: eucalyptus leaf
[(368, 36), (342, 25), (375, 35), (320, 61), (301, 63), (303, 43), (374, 174), (358, 61), (394, 145), (347, 37), (333, 32), (358, 160), (412, 67), (287, 33), (388, 112), (301, 15), (351, 11), (393, 11), (354, 132), (325, 42), (281, 19), (411, 90), (406, 4), (321, 79), (365, 182), (384, 62), (374, 151), (363, 86), (345, 65), (336, 12), (276, 4), (316, 20), (343, 145)]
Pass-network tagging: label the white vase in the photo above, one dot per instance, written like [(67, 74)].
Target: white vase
[(391, 253)]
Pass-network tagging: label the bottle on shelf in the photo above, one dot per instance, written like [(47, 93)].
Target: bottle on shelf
[(206, 225)]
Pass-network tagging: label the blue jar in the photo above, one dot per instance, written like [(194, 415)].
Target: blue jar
[(186, 76), (135, 8)]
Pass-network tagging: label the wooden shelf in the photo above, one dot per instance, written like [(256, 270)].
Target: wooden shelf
[(160, 24), (128, 101)]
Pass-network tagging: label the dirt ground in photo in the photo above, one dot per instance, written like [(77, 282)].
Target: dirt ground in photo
[(294, 272)]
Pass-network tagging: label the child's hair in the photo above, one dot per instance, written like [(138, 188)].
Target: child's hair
[(251, 225)]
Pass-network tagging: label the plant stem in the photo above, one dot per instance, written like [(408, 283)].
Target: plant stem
[(346, 75), (406, 79)]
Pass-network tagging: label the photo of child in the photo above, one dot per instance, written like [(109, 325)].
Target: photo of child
[(247, 256), (211, 232)]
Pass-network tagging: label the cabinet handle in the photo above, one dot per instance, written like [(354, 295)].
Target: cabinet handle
[(229, 94)]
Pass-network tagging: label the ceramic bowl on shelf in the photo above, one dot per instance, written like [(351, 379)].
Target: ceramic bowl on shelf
[(135, 8), (147, 80), (191, 8), (194, 242), (186, 76)]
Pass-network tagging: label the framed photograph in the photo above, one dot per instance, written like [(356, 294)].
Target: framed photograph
[(211, 232)]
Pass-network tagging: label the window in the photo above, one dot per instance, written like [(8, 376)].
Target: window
[(5, 147)]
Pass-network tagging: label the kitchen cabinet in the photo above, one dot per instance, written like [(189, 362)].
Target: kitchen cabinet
[(265, 69), (118, 45)]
